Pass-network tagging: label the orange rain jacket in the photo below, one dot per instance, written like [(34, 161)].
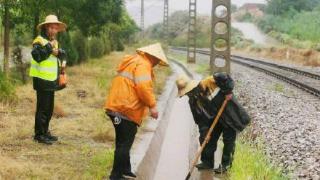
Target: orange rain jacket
[(131, 93)]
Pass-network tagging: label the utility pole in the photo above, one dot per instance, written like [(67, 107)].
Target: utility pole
[(220, 36), (142, 18), (192, 46), (166, 20)]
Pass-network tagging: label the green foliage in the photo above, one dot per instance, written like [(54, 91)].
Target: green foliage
[(247, 17), (96, 47), (178, 26), (95, 14), (20, 37), (100, 165), (281, 7), (251, 163), (106, 19), (66, 44), (7, 90), (178, 34), (302, 26), (80, 43)]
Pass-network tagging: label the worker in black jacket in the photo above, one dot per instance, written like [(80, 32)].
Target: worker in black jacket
[(205, 99), (45, 69), (201, 118)]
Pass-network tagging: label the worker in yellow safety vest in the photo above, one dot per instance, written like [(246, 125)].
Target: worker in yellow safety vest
[(45, 70)]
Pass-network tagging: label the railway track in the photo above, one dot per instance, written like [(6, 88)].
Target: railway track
[(306, 81)]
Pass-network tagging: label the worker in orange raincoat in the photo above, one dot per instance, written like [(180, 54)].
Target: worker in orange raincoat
[(130, 99)]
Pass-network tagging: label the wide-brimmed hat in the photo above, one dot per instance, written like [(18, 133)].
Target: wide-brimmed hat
[(53, 19), (185, 85), (156, 51)]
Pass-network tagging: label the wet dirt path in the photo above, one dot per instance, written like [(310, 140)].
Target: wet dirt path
[(252, 32)]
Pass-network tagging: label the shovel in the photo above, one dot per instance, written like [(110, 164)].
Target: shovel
[(206, 140)]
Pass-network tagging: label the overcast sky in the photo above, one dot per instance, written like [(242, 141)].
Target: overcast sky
[(154, 8)]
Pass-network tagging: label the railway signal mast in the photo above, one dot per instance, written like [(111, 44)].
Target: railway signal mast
[(220, 36), (142, 18), (166, 20), (191, 49)]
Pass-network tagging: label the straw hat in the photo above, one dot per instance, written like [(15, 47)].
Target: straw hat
[(185, 85), (156, 51), (53, 19)]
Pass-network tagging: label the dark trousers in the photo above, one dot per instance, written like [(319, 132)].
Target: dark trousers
[(229, 138), (45, 104), (125, 134)]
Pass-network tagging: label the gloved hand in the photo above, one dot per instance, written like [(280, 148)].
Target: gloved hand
[(229, 97), (62, 54)]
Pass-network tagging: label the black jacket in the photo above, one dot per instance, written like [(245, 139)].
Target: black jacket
[(234, 115), (199, 114), (205, 109), (40, 53)]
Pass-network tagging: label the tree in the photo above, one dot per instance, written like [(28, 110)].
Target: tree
[(280, 7), (97, 13), (6, 22)]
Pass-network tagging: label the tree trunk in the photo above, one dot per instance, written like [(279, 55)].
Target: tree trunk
[(36, 22), (6, 39)]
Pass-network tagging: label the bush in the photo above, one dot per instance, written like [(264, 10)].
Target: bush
[(67, 45), (107, 46), (96, 47), (301, 26), (7, 90), (80, 43)]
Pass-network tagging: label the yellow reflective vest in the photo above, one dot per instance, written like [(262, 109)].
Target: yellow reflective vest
[(46, 69)]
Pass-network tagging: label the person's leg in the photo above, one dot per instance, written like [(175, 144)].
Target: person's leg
[(229, 138), (41, 117), (50, 108), (229, 141), (49, 116), (125, 134), (131, 133), (116, 169), (207, 155), (37, 125)]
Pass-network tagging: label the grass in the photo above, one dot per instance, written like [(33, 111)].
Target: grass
[(98, 165), (85, 147), (7, 90), (203, 69), (251, 163), (200, 68), (278, 87)]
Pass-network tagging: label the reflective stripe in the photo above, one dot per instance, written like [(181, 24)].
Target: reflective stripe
[(53, 59), (215, 92), (126, 75), (142, 78), (46, 69), (137, 79)]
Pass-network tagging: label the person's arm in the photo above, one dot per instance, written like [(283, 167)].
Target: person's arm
[(144, 86), (193, 107), (62, 54), (40, 53)]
